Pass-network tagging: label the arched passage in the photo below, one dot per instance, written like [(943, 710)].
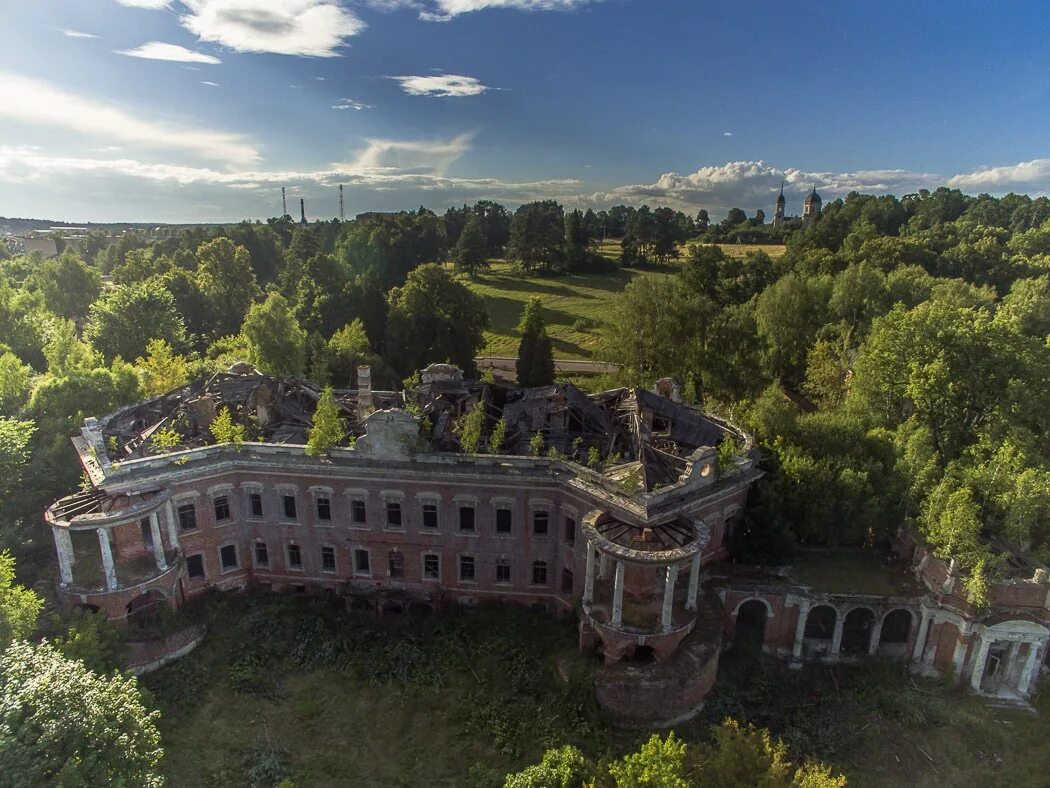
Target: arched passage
[(750, 625), (893, 637), (820, 623), (856, 631), (145, 605)]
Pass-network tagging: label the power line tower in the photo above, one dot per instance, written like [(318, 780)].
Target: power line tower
[(342, 213), (284, 203)]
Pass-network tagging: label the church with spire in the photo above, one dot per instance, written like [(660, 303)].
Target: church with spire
[(810, 209)]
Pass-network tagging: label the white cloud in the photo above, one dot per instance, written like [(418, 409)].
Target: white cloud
[(754, 184), (309, 28), (441, 85), (155, 5), (409, 156), (1025, 176), (451, 8), (210, 84), (319, 79), (39, 103), (157, 50), (349, 103), (75, 33), (727, 134)]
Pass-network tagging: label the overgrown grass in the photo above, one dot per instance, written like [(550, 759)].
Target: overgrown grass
[(574, 306), (286, 687)]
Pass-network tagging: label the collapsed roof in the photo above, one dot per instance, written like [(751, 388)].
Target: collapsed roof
[(648, 436)]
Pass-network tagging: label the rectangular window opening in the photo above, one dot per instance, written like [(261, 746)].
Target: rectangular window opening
[(540, 520), (466, 518), (357, 512), (195, 565), (397, 565), (504, 518), (255, 501), (466, 568), (228, 556), (431, 567), (430, 516), (327, 559), (502, 570), (393, 514), (539, 573), (324, 509), (570, 530), (289, 507), (295, 557), (566, 581), (262, 555), (221, 505), (361, 565), (187, 517)]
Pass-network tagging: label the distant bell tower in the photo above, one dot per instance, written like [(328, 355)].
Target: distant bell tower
[(778, 212), (811, 208)]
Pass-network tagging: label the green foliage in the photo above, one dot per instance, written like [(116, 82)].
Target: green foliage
[(276, 342), (536, 444), (535, 364), (660, 763), (327, 429), (470, 432), (68, 286), (227, 284), (631, 482), (19, 608), (537, 236), (162, 370), (728, 450), (15, 380), (470, 253), (564, 767), (62, 724), (224, 430), (93, 639), (124, 320), (594, 457), (499, 432), (434, 318)]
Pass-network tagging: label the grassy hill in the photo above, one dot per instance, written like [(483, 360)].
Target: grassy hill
[(574, 305)]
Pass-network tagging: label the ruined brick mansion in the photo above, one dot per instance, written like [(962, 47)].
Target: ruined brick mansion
[(622, 509)]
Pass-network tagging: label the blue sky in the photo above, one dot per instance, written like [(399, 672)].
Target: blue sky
[(200, 110)]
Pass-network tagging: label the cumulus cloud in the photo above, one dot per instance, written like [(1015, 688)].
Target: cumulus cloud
[(39, 103), (75, 33), (308, 28), (349, 103), (441, 85), (157, 50), (1024, 176), (155, 5), (753, 184)]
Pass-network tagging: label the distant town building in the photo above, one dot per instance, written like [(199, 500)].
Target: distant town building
[(778, 211), (811, 208)]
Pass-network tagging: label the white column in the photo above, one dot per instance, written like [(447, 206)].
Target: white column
[(1025, 682), (694, 583), (920, 639), (64, 548), (617, 614), (800, 629), (836, 639), (876, 634), (603, 565), (670, 575), (172, 524), (978, 664), (588, 581), (158, 543), (107, 559)]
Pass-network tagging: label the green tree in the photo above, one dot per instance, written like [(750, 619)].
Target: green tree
[(434, 318), (15, 380), (471, 248), (327, 429), (788, 315), (499, 434), (162, 370), (473, 425), (535, 364), (275, 340), (126, 318), (227, 283), (224, 430), (537, 236), (67, 285), (564, 767), (19, 608), (660, 763), (346, 350), (61, 724)]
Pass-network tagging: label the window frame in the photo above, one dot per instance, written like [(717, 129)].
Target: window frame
[(357, 553), (436, 577), (264, 564), (223, 568), (181, 509), (466, 561), (398, 558), (298, 550), (503, 563), (326, 552), (221, 502), (200, 559), (539, 565)]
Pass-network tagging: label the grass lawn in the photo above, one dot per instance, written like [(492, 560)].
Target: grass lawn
[(566, 300), (287, 688)]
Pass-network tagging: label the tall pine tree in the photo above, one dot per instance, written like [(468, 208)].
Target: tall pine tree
[(535, 365)]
